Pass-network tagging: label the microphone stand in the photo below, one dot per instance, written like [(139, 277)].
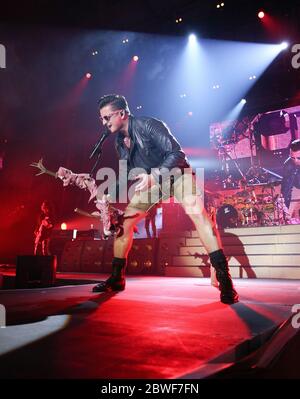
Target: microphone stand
[(98, 150), (97, 161)]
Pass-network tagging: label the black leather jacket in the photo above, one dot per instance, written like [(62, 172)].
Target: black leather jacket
[(152, 147), (291, 178)]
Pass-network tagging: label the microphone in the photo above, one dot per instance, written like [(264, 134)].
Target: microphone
[(99, 143)]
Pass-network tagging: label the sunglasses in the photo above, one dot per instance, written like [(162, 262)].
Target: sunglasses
[(107, 118)]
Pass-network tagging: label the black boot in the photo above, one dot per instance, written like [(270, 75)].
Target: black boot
[(116, 282), (219, 262)]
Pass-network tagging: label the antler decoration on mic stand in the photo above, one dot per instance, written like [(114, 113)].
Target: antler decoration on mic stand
[(111, 218)]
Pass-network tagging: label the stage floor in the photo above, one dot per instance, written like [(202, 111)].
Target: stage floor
[(159, 327)]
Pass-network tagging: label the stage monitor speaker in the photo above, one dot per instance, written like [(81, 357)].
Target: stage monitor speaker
[(92, 256), (142, 257), (34, 271), (71, 257)]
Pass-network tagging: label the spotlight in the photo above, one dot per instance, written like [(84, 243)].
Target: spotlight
[(252, 77), (63, 226), (178, 20), (124, 41), (135, 58), (284, 45), (192, 38), (88, 75), (190, 113), (95, 52), (243, 101), (261, 15), (139, 107), (182, 95)]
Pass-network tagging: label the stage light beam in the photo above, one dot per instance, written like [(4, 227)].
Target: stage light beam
[(192, 38), (284, 45)]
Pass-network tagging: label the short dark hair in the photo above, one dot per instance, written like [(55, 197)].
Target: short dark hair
[(295, 145), (115, 100)]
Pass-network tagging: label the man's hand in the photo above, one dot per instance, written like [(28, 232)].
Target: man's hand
[(146, 181)]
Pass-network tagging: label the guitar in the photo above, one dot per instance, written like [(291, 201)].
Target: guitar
[(42, 232)]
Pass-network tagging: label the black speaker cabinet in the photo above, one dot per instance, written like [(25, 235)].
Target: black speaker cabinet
[(35, 271), (57, 246), (108, 256), (92, 256), (142, 257), (71, 256)]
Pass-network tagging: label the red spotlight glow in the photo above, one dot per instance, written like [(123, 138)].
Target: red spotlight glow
[(63, 226), (135, 58), (261, 15), (88, 75)]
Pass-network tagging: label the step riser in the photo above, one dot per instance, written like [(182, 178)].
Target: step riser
[(236, 272), (257, 252)]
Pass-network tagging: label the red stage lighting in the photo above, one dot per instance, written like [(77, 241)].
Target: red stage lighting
[(261, 15), (88, 75), (63, 226), (135, 58)]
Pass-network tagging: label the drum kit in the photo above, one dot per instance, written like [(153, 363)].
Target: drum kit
[(230, 174), (252, 198), (251, 207)]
